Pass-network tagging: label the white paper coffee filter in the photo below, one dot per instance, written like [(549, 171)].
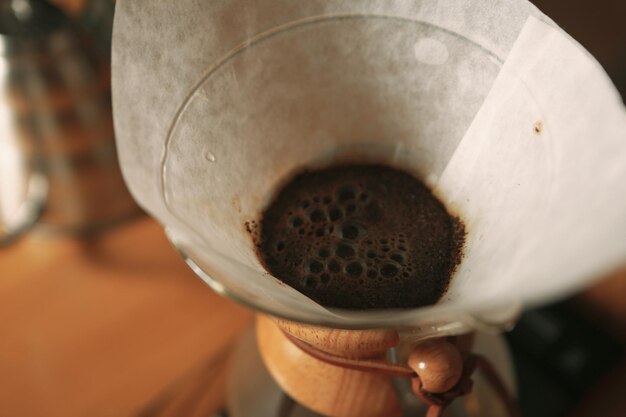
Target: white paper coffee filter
[(540, 174), (513, 124)]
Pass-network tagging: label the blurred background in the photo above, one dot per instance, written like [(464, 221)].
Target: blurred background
[(100, 316)]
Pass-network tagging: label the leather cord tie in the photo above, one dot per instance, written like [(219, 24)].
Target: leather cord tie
[(437, 402)]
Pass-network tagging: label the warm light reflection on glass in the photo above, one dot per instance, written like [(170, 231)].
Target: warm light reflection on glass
[(12, 165)]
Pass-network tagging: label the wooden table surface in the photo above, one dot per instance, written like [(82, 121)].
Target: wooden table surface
[(101, 327)]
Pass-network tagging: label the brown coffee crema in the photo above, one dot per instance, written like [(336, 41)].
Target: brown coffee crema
[(360, 237)]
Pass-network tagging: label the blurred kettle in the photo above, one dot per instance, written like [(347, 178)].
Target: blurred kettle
[(58, 165)]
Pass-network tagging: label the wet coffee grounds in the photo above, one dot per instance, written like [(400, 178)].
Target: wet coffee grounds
[(360, 237)]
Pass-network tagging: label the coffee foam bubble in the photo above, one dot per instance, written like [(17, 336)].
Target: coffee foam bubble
[(349, 244)]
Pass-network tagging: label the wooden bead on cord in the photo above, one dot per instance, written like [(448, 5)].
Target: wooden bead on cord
[(438, 364)]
